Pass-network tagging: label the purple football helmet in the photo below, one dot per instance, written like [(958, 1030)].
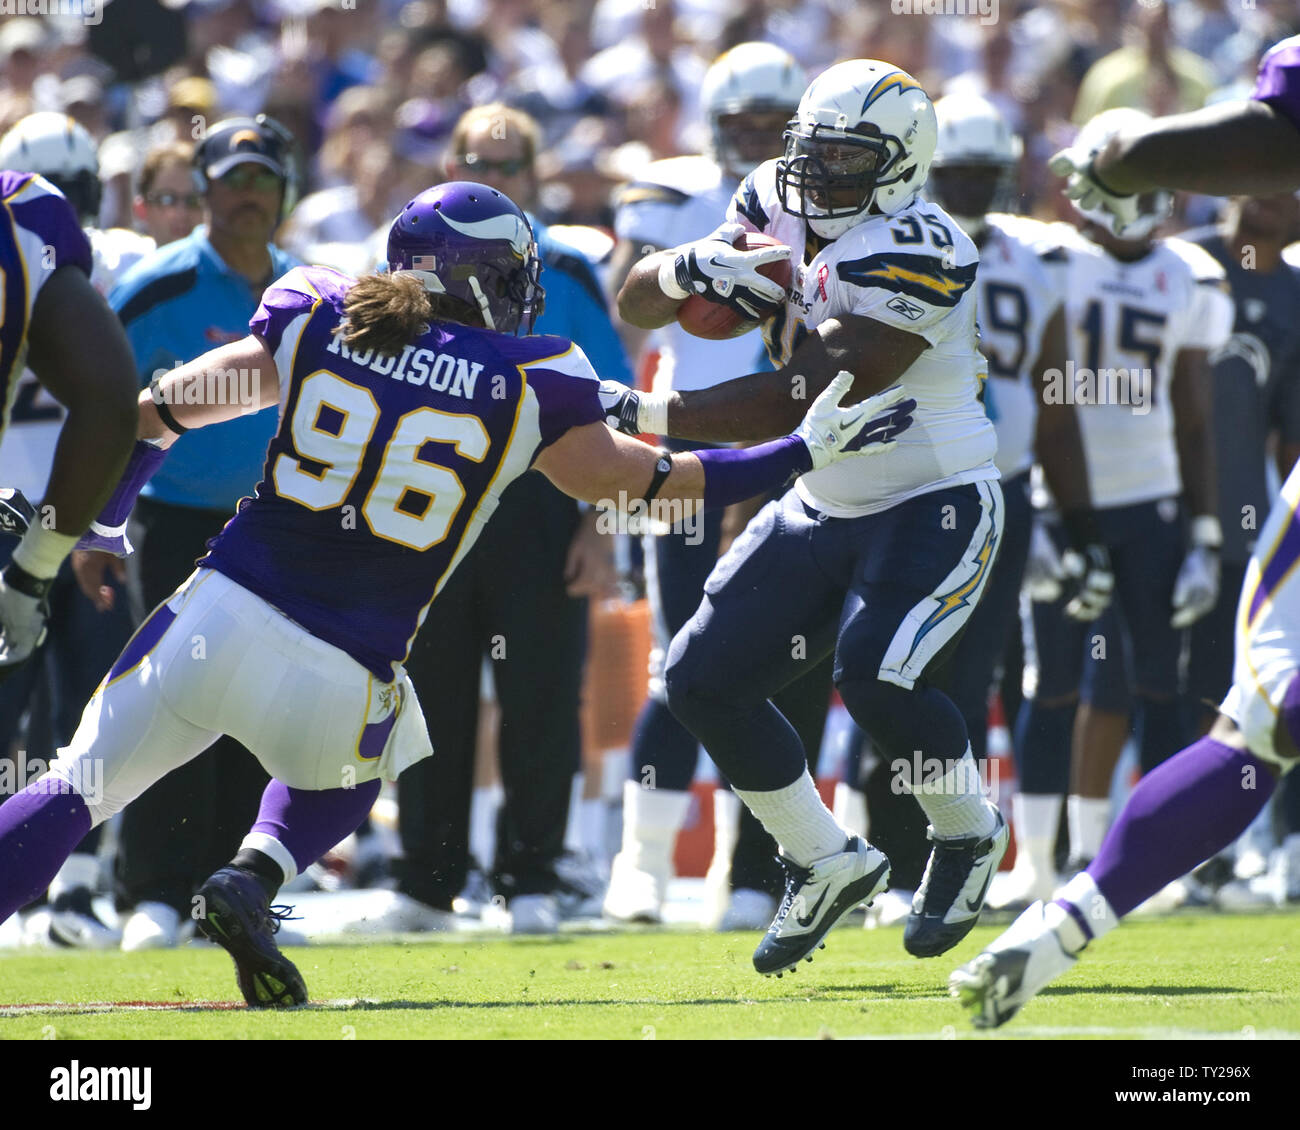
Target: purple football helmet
[(473, 243)]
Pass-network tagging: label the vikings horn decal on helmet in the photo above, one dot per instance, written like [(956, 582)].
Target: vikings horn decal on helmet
[(63, 152), (472, 243), (749, 79), (974, 161), (1153, 207), (861, 141)]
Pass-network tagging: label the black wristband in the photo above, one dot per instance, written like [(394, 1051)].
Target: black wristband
[(1092, 172), (663, 469), (164, 410), (20, 580)]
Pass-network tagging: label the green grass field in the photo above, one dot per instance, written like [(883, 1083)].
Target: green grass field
[(1185, 976)]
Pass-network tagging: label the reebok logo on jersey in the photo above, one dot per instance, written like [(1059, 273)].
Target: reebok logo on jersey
[(909, 310)]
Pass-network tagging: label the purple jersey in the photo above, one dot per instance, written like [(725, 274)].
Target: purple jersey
[(39, 234), (385, 469), (1278, 83)]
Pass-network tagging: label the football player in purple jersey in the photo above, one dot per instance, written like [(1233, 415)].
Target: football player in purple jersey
[(45, 292), (407, 405), (1241, 148)]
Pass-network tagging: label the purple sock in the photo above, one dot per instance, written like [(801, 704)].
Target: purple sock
[(1180, 814), (308, 822), (39, 827)]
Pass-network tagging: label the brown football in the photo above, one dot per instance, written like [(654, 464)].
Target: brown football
[(715, 322)]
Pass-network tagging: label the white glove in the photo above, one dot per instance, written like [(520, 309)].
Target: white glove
[(1089, 582), (1082, 185), (1196, 589), (870, 427), (1044, 573), (714, 268), (22, 626)]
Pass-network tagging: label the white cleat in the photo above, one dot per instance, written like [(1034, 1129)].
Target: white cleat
[(1011, 971), (951, 895), (74, 922), (635, 894), (1018, 889), (748, 910), (152, 926), (816, 897), (534, 914), (889, 909)]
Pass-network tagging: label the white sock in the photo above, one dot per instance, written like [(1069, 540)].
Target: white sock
[(651, 820), (592, 814), (1089, 823), (1037, 818), (798, 820), (1081, 893), (485, 804), (956, 804), (726, 828)]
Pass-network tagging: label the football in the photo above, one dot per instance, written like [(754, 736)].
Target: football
[(715, 322)]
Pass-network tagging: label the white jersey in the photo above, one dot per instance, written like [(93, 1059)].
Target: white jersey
[(914, 271), (27, 450), (1126, 323), (1267, 652), (677, 201), (1017, 297)]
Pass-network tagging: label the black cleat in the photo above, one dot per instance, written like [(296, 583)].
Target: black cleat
[(237, 916)]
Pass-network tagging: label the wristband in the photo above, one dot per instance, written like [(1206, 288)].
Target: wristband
[(668, 279), (42, 551), (164, 409), (1206, 532), (21, 581), (663, 468), (652, 413)]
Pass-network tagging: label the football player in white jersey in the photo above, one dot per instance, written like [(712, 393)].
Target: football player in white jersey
[(748, 95), (881, 568), (84, 642), (1142, 315), (1185, 810), (1022, 334)]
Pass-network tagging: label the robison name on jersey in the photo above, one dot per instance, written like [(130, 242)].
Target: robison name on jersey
[(1127, 322), (676, 201), (914, 270), (384, 469)]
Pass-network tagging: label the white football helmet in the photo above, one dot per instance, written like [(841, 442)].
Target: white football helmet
[(974, 159), (62, 151), (861, 141), (751, 78), (1153, 207)]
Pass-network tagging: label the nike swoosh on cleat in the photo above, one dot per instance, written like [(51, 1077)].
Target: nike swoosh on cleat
[(806, 922), (976, 904)]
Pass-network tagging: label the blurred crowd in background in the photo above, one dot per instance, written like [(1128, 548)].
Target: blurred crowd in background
[(370, 89)]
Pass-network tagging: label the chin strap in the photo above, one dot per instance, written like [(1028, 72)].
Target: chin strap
[(482, 301)]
